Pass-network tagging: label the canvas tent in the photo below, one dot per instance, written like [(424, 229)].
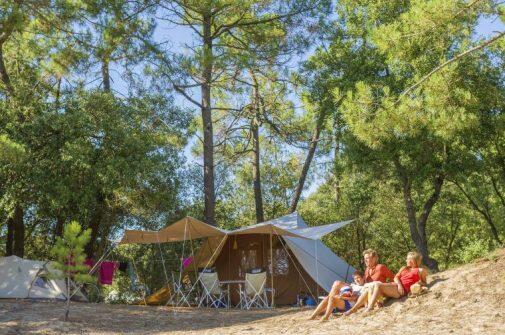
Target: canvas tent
[(23, 278), (301, 262)]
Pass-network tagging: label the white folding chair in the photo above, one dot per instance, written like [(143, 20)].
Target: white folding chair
[(254, 293), (180, 294), (212, 294)]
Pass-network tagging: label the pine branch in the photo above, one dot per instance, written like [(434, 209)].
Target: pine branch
[(452, 60)]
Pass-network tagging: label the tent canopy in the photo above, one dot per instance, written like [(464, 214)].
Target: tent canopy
[(187, 228), (190, 228), (315, 233)]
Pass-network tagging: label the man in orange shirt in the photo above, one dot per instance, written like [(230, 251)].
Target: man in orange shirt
[(374, 273)]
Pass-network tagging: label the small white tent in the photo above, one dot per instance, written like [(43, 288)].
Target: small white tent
[(23, 278)]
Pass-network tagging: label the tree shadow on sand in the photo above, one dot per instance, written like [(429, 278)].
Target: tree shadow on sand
[(100, 318)]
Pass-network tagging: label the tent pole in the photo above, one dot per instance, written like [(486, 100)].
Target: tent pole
[(144, 286), (162, 260), (317, 275), (272, 271), (193, 253), (181, 259)]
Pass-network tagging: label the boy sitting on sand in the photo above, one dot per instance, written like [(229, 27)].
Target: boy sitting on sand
[(344, 300)]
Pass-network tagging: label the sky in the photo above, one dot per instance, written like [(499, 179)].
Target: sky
[(179, 37)]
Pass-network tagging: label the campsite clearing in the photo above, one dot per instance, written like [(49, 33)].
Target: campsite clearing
[(465, 300)]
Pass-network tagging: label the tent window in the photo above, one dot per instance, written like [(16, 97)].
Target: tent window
[(42, 282), (281, 262), (248, 260)]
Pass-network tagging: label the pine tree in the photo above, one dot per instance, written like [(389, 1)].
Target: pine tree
[(69, 257)]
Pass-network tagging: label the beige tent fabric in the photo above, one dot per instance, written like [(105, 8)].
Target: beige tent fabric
[(139, 236), (207, 253), (187, 228)]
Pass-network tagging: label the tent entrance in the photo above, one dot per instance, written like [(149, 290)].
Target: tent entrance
[(242, 253)]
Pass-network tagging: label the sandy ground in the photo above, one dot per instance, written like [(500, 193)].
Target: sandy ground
[(466, 300)]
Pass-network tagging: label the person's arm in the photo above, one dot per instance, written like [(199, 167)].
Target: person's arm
[(422, 275), (398, 282), (366, 275), (353, 297), (388, 274)]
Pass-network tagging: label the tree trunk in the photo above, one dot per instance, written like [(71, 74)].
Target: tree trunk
[(258, 198), (67, 306), (15, 224), (255, 124), (500, 158), (308, 161), (19, 232), (336, 166), (492, 226), (58, 229), (417, 226), (208, 140), (98, 213), (95, 223), (105, 75), (4, 75), (498, 192), (10, 237), (484, 212), (454, 231), (108, 220)]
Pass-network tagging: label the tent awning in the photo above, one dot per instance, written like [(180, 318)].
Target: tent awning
[(187, 228), (315, 233), (312, 233)]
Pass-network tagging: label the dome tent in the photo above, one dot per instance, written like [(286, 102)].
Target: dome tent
[(28, 279)]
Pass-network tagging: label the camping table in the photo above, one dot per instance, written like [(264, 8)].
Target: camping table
[(231, 282)]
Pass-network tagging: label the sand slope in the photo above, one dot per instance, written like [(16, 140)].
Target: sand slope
[(466, 300)]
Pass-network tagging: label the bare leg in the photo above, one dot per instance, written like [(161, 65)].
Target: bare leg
[(320, 308), (335, 289), (334, 301), (329, 307), (359, 303), (386, 289)]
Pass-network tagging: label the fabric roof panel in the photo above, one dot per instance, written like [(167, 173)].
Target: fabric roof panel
[(315, 233), (184, 229)]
